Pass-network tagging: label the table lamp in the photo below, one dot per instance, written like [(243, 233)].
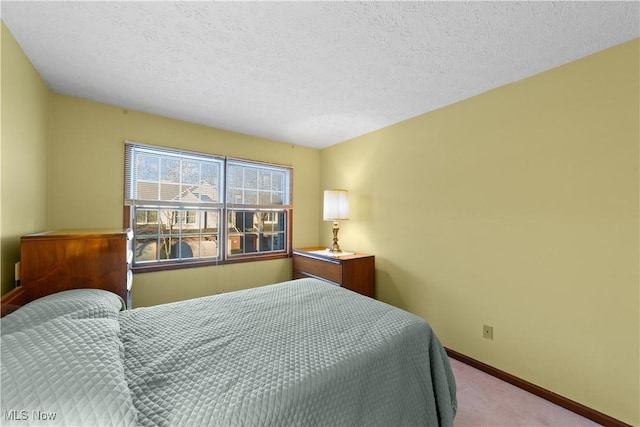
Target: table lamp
[(336, 207)]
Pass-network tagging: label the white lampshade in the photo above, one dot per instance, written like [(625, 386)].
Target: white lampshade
[(336, 205)]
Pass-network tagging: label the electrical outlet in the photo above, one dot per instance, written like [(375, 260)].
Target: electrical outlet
[(487, 332)]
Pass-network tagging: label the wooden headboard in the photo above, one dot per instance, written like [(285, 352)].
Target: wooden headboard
[(57, 261)]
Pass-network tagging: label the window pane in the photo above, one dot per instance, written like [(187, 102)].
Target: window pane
[(264, 198), (146, 249), (277, 199), (210, 174), (278, 181), (250, 178), (234, 196), (210, 221), (146, 222), (190, 172), (147, 190), (209, 246), (209, 181), (170, 192), (170, 170), (234, 244), (234, 177), (165, 246), (272, 242), (206, 193), (192, 219), (188, 247), (167, 218), (242, 220), (141, 217), (250, 197), (147, 167), (250, 242), (264, 178)]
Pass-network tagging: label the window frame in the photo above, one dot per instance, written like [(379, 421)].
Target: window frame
[(224, 255)]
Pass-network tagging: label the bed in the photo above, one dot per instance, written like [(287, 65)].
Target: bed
[(297, 353)]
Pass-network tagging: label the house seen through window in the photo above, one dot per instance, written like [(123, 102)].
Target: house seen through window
[(193, 208)]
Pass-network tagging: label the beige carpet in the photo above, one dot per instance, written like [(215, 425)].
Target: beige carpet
[(486, 401)]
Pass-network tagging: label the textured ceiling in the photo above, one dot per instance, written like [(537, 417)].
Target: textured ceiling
[(308, 73)]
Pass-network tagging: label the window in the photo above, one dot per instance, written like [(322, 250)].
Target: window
[(189, 208)]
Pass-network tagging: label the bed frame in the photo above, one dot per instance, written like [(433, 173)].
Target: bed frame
[(13, 300)]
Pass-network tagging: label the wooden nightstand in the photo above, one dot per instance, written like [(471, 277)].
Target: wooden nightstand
[(355, 272)]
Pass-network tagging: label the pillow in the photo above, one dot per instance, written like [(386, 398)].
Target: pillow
[(65, 372), (74, 303)]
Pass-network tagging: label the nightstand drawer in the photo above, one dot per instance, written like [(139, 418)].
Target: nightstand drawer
[(319, 268), (350, 270)]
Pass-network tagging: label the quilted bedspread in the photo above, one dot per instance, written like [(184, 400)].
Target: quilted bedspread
[(62, 363), (299, 353)]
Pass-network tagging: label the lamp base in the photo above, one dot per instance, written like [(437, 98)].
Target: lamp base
[(335, 247)]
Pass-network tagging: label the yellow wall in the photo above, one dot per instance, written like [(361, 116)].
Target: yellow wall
[(86, 169), (518, 209), (24, 135)]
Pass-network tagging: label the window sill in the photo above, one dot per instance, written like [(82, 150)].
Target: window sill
[(177, 265)]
